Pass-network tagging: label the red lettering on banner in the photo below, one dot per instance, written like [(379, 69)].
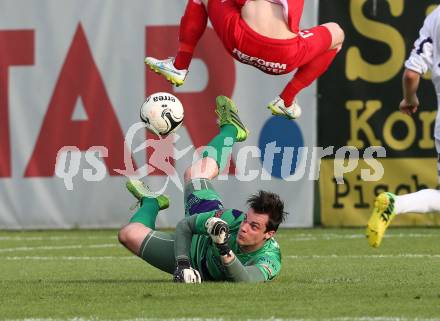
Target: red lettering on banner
[(79, 77), (16, 49), (200, 119)]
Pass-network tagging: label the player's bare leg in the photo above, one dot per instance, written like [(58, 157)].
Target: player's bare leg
[(267, 19), (204, 168), (132, 235), (337, 33)]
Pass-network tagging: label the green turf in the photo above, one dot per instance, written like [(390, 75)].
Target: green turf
[(326, 274)]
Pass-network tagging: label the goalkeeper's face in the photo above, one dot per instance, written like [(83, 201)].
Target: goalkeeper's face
[(252, 233)]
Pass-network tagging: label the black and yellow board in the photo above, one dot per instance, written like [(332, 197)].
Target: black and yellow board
[(358, 99)]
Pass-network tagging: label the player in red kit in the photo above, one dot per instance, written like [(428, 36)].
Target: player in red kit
[(261, 33)]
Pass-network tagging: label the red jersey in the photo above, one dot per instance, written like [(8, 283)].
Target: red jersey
[(272, 56)]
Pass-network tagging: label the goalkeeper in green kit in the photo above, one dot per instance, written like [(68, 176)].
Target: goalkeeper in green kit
[(211, 243)]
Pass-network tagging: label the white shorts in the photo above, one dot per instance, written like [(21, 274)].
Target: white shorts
[(437, 146)]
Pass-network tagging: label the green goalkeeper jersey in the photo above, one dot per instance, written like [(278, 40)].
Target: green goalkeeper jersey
[(206, 258)]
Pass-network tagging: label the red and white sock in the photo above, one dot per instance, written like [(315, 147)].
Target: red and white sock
[(307, 74), (192, 26)]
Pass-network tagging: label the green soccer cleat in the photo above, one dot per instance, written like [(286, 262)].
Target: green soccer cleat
[(139, 190), (383, 214), (227, 113)]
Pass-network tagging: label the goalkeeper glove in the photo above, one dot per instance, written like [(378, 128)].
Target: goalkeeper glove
[(185, 273), (219, 232)]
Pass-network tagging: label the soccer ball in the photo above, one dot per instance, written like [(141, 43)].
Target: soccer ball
[(163, 113)]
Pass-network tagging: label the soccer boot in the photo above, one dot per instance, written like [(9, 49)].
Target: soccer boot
[(279, 109), (227, 113), (139, 190), (166, 68), (383, 214)]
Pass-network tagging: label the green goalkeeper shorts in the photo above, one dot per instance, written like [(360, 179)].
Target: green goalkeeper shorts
[(201, 197), (158, 250), (158, 247)]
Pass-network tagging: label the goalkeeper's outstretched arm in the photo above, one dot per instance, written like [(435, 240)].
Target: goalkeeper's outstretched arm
[(184, 272), (185, 229), (219, 232), (237, 272)]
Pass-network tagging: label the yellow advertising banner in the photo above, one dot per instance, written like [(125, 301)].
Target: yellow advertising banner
[(351, 203), (358, 103)]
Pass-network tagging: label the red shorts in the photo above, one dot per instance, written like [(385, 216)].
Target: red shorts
[(272, 56)]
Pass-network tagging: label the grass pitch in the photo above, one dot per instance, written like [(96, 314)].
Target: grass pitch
[(327, 274)]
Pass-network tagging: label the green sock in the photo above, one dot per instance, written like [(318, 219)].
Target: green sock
[(147, 213), (220, 147)]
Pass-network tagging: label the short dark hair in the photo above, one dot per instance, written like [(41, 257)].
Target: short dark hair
[(268, 203)]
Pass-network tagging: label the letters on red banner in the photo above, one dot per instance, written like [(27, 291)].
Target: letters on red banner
[(79, 78), (16, 49)]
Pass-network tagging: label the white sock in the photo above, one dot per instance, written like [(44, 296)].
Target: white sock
[(424, 201)]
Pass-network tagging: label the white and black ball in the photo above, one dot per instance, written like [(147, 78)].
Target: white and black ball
[(163, 113)]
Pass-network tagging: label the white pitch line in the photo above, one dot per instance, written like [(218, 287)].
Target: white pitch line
[(268, 319), (331, 256), (327, 237), (372, 256), (66, 258), (61, 247), (298, 237), (334, 256), (55, 238)]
